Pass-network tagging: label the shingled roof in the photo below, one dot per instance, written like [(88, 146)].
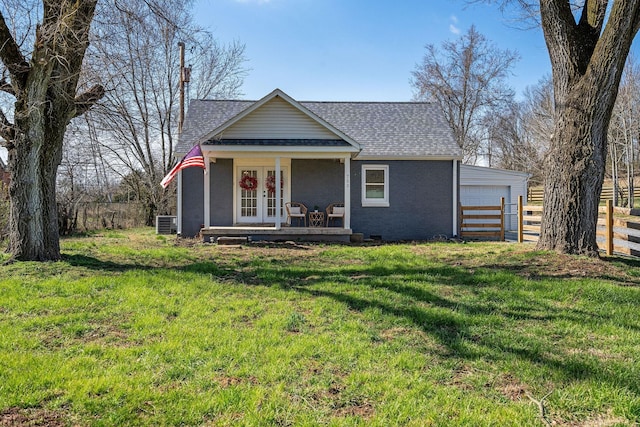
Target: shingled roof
[(203, 116), (382, 129), (391, 129)]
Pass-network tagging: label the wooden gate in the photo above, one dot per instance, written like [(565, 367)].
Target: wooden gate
[(482, 222)]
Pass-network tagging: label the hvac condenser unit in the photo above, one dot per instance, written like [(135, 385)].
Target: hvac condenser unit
[(166, 224)]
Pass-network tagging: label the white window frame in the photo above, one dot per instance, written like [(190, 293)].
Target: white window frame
[(368, 202)]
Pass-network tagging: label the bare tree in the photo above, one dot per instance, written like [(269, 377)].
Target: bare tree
[(43, 49), (538, 111), (588, 44), (140, 69), (82, 175), (513, 146), (467, 79), (624, 131), (44, 80), (518, 135)]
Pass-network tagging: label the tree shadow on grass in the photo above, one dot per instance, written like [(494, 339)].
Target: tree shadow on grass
[(414, 283), (413, 294), (445, 327), (93, 263), (453, 325), (630, 262), (453, 320)]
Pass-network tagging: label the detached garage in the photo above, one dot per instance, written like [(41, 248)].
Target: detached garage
[(482, 186)]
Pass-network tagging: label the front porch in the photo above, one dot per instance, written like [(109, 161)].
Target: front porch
[(259, 159), (271, 233)]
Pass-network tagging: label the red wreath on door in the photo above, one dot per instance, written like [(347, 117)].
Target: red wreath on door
[(248, 182), (271, 183)]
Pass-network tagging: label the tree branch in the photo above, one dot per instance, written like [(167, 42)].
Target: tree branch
[(6, 87), (12, 57), (613, 46), (593, 13), (558, 25), (587, 32), (541, 408), (86, 100), (7, 131)]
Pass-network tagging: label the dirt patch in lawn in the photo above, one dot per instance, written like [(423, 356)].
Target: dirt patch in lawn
[(600, 420), (510, 387), (228, 381), (526, 262), (18, 417), (105, 332), (363, 410), (567, 266), (522, 260)]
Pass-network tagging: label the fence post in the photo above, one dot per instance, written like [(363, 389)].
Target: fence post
[(609, 228), (460, 219), (502, 219), (520, 220)]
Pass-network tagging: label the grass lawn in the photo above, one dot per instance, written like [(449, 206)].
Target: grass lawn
[(137, 329)]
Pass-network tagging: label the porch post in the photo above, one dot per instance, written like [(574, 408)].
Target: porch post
[(347, 192), (278, 194), (207, 193), (455, 197), (179, 205)]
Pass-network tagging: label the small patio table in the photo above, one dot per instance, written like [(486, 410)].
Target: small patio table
[(316, 219)]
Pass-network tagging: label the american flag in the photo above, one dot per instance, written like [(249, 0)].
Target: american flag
[(193, 158)]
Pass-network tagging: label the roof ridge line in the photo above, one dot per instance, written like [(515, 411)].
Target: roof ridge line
[(368, 102), (322, 102)]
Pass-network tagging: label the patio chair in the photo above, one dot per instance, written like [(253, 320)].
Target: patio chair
[(335, 211), (296, 210)]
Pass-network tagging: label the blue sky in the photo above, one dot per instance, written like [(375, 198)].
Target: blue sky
[(357, 50)]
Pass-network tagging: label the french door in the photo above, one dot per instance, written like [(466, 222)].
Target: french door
[(259, 205)]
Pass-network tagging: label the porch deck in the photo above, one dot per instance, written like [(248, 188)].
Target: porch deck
[(270, 233)]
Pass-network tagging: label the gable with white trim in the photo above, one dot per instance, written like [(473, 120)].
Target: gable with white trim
[(277, 119)]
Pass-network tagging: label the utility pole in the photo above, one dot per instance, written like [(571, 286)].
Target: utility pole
[(185, 77)]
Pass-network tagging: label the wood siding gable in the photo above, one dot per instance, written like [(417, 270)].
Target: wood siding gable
[(277, 119)]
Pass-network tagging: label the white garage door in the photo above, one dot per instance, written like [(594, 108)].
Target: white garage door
[(483, 195), (488, 195)]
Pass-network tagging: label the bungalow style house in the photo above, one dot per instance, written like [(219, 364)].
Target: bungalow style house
[(392, 168)]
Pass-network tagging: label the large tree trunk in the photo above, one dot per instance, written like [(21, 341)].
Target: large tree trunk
[(573, 178), (33, 220), (45, 88), (41, 117), (587, 59)]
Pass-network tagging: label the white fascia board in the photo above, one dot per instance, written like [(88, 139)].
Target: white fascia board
[(495, 170), (236, 118), (383, 158), (275, 149), (278, 93), (317, 119), (271, 154)]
